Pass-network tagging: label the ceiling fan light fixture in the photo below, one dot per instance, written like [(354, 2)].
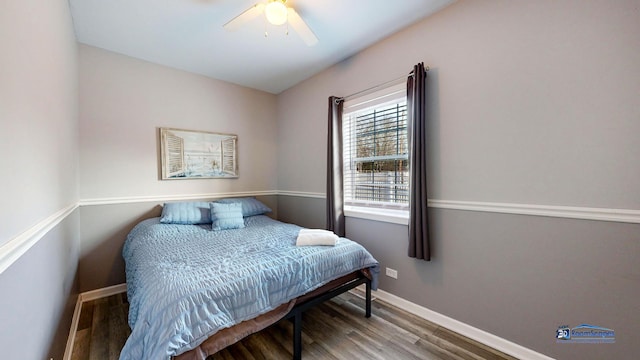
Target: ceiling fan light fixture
[(276, 12)]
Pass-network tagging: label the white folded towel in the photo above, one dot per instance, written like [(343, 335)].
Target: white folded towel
[(316, 237)]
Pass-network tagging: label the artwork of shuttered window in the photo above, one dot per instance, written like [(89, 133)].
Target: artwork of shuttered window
[(174, 146), (188, 154)]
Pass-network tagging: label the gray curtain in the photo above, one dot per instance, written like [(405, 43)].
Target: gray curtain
[(335, 196), (419, 247)]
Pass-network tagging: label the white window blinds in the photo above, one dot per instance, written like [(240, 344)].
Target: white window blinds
[(375, 146)]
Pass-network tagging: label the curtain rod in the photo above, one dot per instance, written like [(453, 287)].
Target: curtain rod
[(375, 87)]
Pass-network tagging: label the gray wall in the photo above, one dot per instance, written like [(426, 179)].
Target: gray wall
[(515, 276), (104, 229), (304, 211), (519, 277), (529, 103), (39, 293), (39, 171)]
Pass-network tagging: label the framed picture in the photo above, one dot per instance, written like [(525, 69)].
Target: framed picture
[(187, 154)]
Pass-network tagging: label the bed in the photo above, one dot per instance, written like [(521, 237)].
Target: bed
[(193, 290)]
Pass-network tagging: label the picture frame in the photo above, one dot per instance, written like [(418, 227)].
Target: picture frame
[(191, 154)]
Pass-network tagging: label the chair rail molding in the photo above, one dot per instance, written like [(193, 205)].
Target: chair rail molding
[(176, 197), (16, 247), (570, 212), (12, 250)]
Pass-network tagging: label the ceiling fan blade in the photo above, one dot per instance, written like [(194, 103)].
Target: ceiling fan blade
[(301, 27), (248, 15)]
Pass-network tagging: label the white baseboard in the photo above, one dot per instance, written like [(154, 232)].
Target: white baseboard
[(104, 292), (87, 296), (461, 328), (68, 350)]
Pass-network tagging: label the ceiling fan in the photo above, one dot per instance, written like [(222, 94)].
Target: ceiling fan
[(277, 13)]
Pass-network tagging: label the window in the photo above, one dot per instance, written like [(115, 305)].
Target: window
[(375, 148)]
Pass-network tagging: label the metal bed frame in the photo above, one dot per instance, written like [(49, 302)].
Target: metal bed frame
[(295, 315)]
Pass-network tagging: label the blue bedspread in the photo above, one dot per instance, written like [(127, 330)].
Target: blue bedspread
[(186, 282)]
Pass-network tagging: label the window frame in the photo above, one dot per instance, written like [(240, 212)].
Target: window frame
[(372, 210)]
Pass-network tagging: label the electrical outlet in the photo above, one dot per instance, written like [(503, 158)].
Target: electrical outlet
[(392, 273)]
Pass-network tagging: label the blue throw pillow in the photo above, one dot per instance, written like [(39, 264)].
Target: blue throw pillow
[(187, 213), (226, 216), (250, 205)]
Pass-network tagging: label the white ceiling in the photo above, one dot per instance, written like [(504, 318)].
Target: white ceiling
[(188, 35)]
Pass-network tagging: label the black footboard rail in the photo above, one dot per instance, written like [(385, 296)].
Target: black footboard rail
[(295, 315)]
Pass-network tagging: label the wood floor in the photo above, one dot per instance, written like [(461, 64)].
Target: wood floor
[(336, 329)]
